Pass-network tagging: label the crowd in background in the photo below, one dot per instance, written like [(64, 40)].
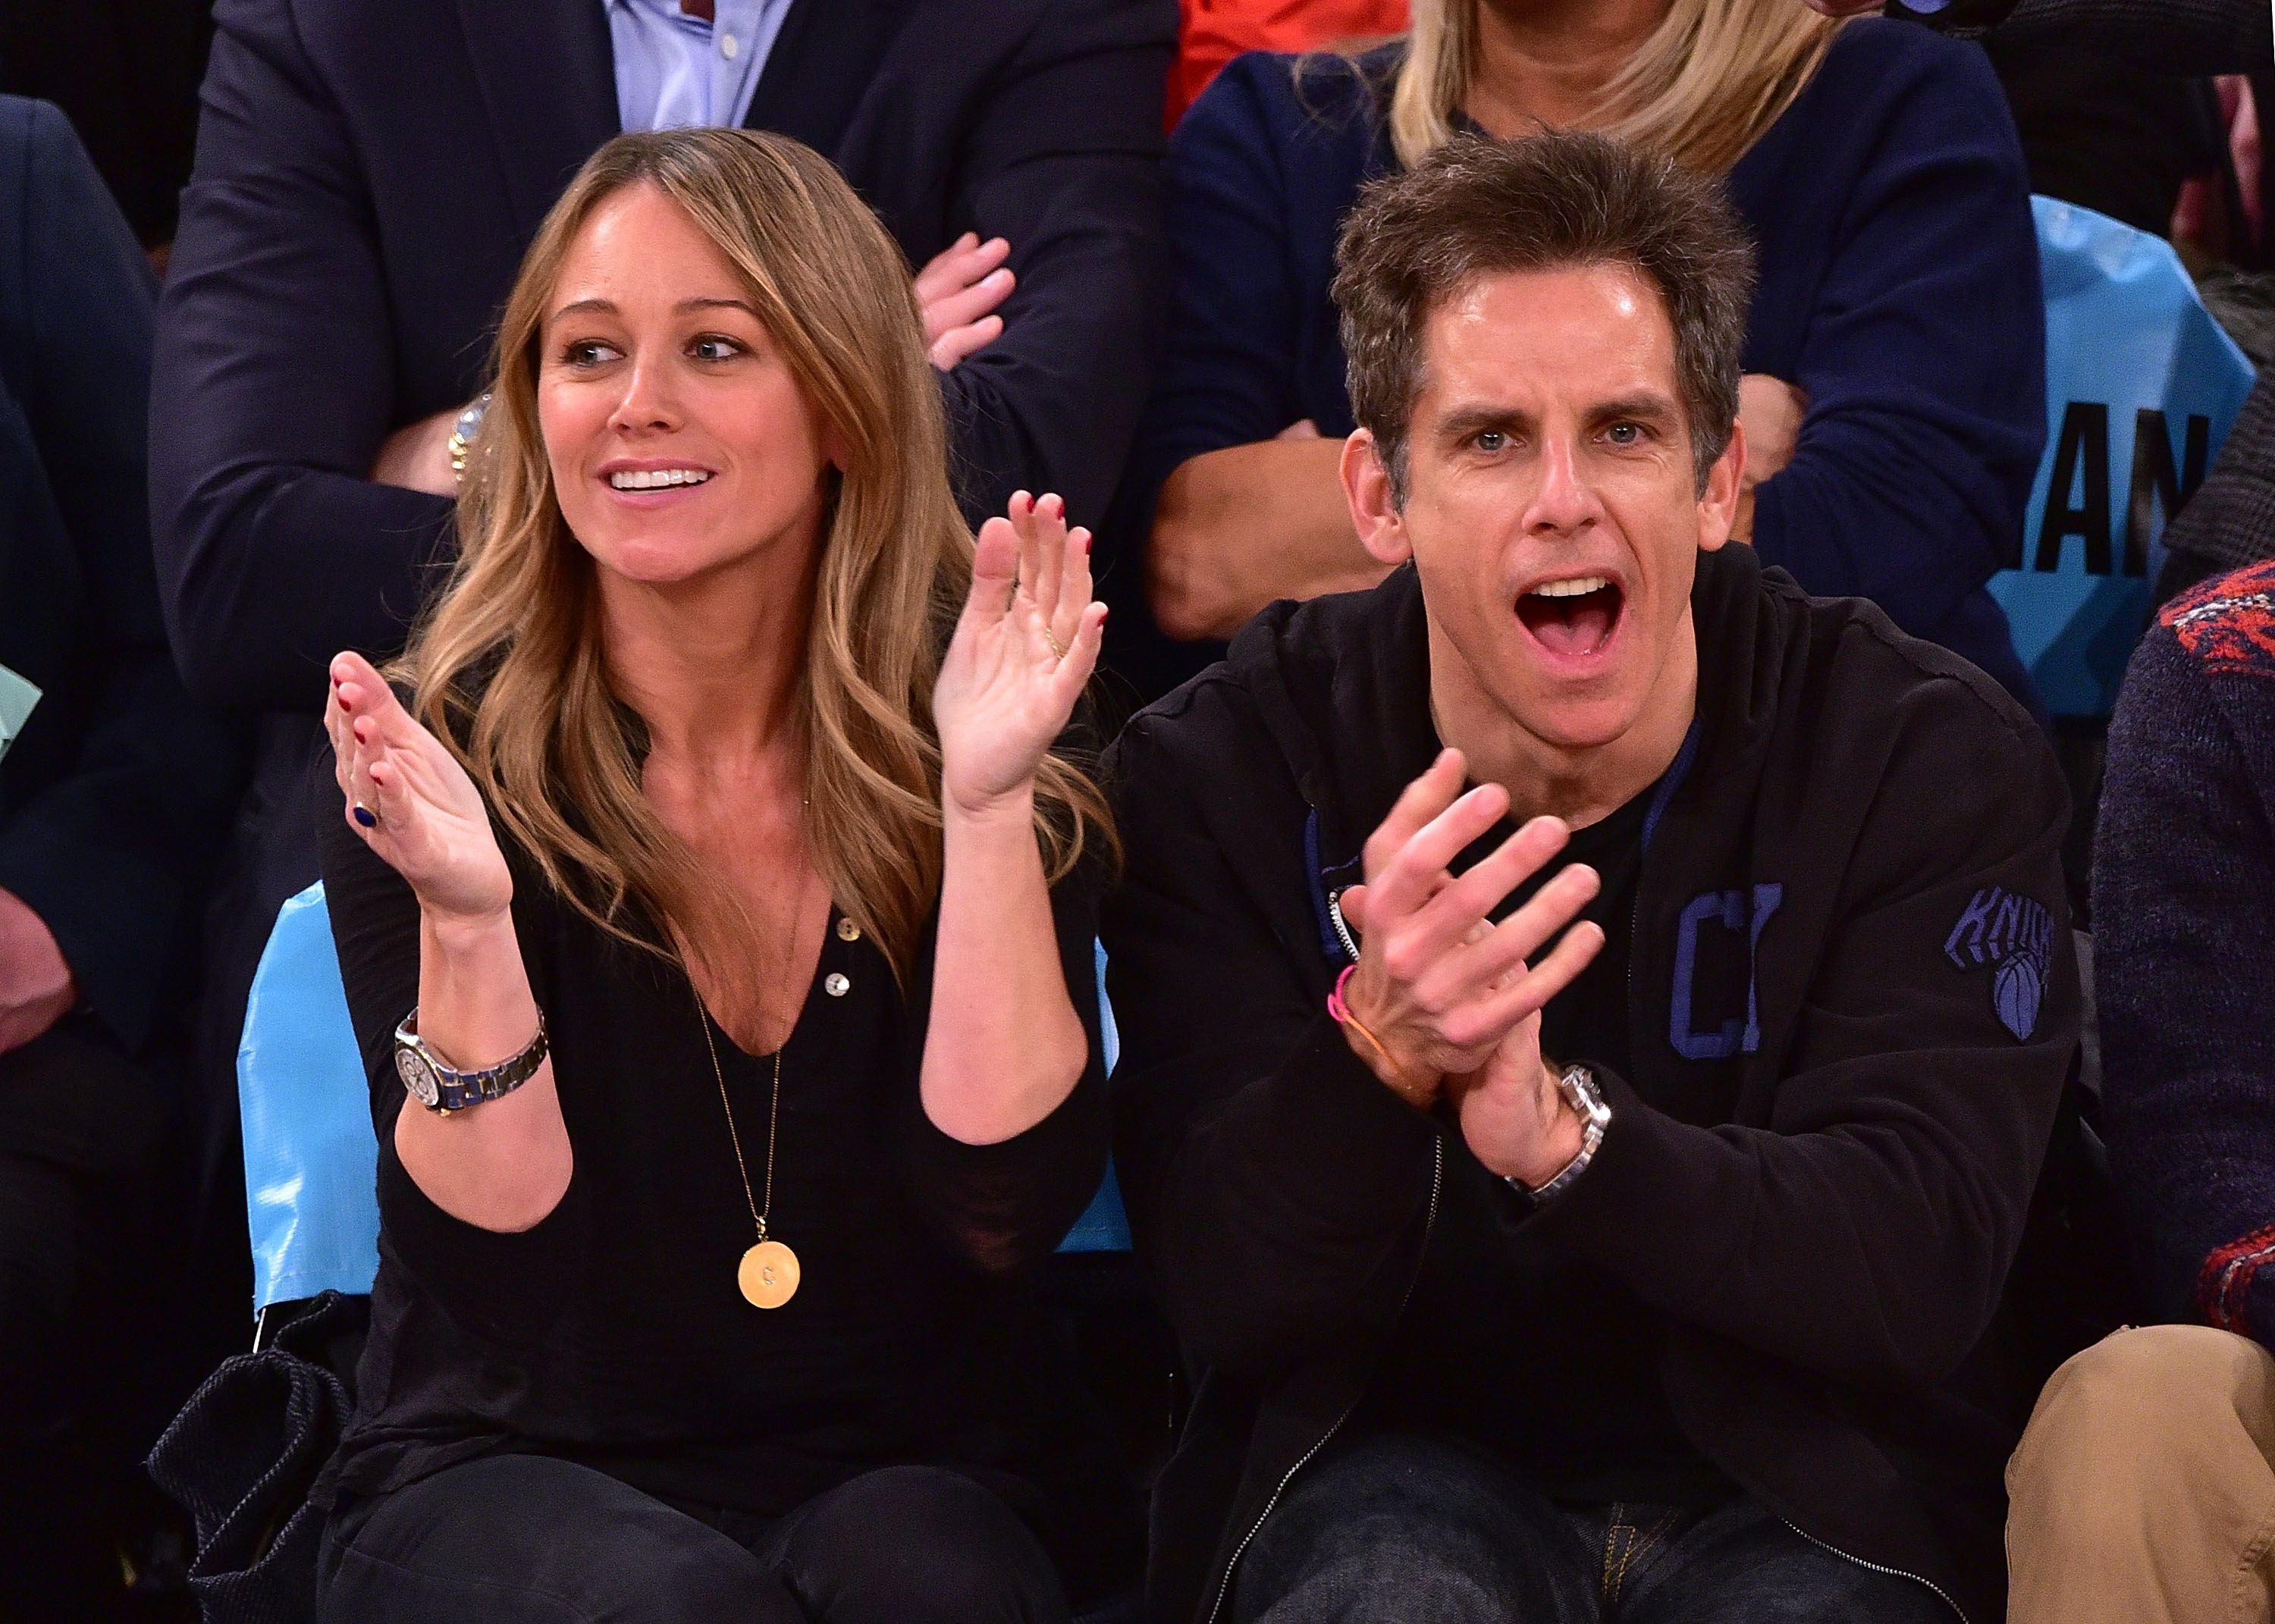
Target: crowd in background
[(251, 264)]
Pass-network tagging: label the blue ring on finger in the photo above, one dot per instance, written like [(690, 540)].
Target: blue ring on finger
[(365, 816)]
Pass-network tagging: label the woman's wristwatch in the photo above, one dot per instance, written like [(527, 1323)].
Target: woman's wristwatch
[(1587, 1100), (439, 1086)]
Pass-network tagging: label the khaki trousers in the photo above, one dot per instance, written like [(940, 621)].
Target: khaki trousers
[(2143, 1492)]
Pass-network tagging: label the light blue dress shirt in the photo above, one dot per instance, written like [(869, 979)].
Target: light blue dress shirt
[(674, 72)]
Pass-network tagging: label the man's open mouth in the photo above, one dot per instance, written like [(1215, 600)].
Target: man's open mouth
[(1573, 617)]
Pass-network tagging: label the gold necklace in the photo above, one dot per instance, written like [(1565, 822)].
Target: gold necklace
[(768, 1273)]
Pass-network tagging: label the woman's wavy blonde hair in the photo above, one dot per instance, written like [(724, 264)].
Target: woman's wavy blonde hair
[(510, 669), (1701, 89)]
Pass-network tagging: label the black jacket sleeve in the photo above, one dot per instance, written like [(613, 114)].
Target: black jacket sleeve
[(116, 801), (1064, 161), (1865, 1230), (1277, 1191), (273, 386)]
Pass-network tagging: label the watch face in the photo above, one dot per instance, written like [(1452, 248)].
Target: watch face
[(416, 1076)]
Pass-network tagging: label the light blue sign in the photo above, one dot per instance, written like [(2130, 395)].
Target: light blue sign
[(2141, 386)]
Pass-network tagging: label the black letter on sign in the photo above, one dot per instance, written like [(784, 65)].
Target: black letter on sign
[(2154, 480), (2084, 439)]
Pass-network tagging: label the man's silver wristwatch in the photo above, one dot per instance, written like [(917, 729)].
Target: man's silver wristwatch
[(434, 1082), (1582, 1094)]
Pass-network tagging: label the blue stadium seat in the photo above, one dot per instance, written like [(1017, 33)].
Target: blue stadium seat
[(310, 1158)]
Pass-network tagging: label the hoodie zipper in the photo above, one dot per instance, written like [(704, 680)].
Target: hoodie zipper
[(1343, 931), (1894, 1572), (1430, 1223)]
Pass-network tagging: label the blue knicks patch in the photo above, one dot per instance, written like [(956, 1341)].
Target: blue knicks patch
[(2015, 935)]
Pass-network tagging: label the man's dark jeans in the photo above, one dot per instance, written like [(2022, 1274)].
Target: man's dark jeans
[(1393, 1529)]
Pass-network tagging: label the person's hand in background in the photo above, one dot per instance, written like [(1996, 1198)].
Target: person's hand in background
[(37, 988), (959, 289), (417, 456), (1771, 409)]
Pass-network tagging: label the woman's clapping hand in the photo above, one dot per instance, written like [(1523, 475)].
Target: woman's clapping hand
[(1027, 642), (410, 800)]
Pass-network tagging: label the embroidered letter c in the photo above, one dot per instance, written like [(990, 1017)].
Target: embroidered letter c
[(1733, 1035)]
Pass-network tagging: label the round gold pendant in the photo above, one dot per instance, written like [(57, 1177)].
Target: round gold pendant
[(768, 1274)]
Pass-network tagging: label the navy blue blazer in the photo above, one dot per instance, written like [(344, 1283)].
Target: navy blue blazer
[(114, 801), (368, 176)]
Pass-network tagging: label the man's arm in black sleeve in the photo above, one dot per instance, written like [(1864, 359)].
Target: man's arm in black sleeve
[(1065, 164), (113, 855), (1278, 1193), (1867, 1229), (273, 386)]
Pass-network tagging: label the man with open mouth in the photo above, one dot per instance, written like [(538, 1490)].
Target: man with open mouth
[(1593, 1016)]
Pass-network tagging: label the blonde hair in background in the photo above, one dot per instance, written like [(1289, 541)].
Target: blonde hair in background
[(509, 665), (1710, 78)]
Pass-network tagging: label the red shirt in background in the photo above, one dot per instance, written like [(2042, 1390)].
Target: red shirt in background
[(1213, 31)]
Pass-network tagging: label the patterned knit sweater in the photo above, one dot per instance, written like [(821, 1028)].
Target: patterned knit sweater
[(2184, 903)]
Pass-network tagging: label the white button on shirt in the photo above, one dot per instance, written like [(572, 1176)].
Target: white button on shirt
[(674, 70)]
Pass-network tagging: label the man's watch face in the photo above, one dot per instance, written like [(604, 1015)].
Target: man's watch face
[(418, 1077)]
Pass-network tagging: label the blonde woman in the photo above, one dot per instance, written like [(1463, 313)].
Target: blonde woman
[(715, 912), (1894, 357)]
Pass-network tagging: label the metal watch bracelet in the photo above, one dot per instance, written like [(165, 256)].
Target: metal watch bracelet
[(441, 1087), (1582, 1094)]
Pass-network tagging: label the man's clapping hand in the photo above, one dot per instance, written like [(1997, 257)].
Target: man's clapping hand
[(37, 988), (1452, 999)]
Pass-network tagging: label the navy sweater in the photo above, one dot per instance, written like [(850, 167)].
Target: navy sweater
[(2184, 870), (1899, 287)]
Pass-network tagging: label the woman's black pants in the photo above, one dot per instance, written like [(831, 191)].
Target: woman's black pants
[(524, 1539)]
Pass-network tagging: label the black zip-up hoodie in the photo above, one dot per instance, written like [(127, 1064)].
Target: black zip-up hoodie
[(1850, 931)]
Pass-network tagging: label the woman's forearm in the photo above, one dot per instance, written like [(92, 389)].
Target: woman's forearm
[(1236, 528), (1004, 1047), (505, 1164)]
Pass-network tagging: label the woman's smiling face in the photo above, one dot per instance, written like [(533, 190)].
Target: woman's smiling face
[(680, 442)]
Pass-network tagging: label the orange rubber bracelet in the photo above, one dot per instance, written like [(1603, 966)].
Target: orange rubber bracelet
[(1341, 1012)]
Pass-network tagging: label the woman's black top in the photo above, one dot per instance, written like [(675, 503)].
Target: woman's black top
[(613, 1333)]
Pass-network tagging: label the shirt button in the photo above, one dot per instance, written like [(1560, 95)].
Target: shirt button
[(835, 985), (847, 931), (727, 46)]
